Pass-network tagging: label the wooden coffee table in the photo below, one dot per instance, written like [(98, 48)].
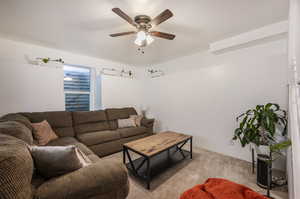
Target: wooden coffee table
[(159, 152)]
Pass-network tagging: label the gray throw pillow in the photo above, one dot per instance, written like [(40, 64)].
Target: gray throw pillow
[(52, 161)]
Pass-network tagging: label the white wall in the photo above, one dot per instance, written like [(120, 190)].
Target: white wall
[(25, 87), (202, 94), (121, 92)]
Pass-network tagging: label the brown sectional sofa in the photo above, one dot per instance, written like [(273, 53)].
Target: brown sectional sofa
[(96, 133)]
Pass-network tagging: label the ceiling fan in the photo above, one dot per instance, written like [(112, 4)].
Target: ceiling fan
[(143, 24)]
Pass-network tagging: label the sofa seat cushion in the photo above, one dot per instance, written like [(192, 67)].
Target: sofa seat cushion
[(97, 180), (65, 141), (131, 131), (94, 158), (91, 127), (99, 137)]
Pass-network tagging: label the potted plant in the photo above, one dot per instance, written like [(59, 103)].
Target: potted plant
[(265, 128), (262, 126)]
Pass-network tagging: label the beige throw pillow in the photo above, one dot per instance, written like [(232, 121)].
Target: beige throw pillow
[(137, 119), (52, 161), (123, 123), (43, 132)]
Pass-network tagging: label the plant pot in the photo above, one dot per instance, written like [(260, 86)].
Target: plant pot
[(262, 149), (263, 170)]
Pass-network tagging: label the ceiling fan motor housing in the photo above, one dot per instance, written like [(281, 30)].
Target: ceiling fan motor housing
[(143, 21)]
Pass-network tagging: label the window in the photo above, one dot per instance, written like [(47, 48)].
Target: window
[(77, 87)]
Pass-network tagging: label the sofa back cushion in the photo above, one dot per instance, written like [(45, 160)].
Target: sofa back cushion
[(131, 111), (18, 130), (16, 166), (113, 114), (60, 121), (18, 118), (90, 121)]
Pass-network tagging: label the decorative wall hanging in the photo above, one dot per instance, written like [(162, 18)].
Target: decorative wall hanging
[(118, 73), (45, 61), (154, 73)]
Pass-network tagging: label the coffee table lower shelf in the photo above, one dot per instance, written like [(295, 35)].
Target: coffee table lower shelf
[(157, 164)]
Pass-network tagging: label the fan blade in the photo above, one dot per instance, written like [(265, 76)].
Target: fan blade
[(119, 12), (165, 15), (122, 34), (163, 35)]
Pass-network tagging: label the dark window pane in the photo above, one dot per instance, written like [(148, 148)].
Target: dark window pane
[(77, 102), (77, 79)]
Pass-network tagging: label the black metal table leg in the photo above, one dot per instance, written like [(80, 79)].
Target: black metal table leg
[(130, 161), (179, 148), (124, 155), (148, 173), (253, 161), (191, 147), (141, 164)]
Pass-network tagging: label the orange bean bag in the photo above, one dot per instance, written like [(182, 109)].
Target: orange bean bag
[(216, 188)]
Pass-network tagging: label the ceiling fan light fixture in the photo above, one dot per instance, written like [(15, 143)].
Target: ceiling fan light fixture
[(140, 43), (141, 35), (143, 39), (149, 39)]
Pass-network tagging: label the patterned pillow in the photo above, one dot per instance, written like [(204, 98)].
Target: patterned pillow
[(52, 161), (43, 132), (123, 123), (137, 119)]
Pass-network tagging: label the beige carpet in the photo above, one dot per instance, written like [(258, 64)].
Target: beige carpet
[(205, 164)]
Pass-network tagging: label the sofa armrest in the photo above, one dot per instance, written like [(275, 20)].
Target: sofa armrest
[(148, 123), (104, 179)]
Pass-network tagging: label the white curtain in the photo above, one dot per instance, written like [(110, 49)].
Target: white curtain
[(293, 163), (96, 91)]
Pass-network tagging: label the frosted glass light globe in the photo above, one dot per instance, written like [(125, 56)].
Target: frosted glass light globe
[(149, 39), (141, 35)]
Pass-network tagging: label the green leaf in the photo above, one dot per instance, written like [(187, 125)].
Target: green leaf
[(45, 60), (242, 124), (262, 118), (280, 146), (268, 105)]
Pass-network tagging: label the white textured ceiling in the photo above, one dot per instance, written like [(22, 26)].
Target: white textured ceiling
[(83, 26)]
